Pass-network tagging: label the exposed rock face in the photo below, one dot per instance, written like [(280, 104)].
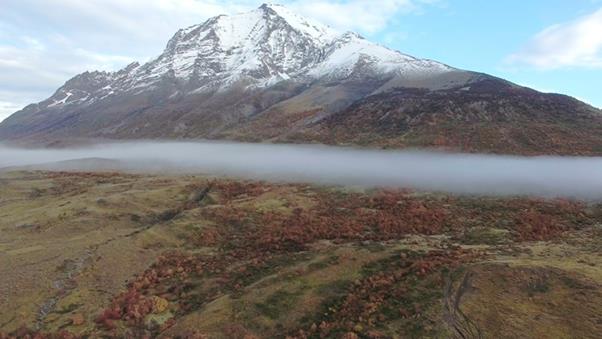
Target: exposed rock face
[(270, 74)]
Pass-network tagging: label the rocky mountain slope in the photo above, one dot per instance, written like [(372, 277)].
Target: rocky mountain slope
[(489, 115), (270, 74)]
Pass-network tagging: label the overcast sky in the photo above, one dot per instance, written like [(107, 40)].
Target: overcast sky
[(551, 45)]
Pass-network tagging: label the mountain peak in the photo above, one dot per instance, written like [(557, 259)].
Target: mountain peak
[(256, 49), (273, 43), (305, 25), (269, 5)]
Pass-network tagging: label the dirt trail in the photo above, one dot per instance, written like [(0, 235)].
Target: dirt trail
[(463, 326)]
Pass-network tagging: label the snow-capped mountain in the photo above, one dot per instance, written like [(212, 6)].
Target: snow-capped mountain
[(265, 74), (258, 49)]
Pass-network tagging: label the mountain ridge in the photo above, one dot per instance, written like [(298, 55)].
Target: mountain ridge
[(263, 75)]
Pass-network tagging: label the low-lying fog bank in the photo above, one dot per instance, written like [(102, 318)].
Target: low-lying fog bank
[(456, 173)]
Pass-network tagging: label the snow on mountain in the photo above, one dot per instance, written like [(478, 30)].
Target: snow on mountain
[(259, 48), (350, 50), (271, 75)]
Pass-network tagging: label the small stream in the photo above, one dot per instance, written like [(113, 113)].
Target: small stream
[(63, 285)]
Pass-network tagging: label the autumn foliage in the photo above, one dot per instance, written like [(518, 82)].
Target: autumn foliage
[(26, 333), (249, 240), (386, 294)]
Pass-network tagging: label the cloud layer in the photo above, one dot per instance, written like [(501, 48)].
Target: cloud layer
[(456, 173), (573, 44), (358, 15)]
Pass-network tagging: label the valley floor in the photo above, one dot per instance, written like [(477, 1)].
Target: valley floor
[(122, 255)]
